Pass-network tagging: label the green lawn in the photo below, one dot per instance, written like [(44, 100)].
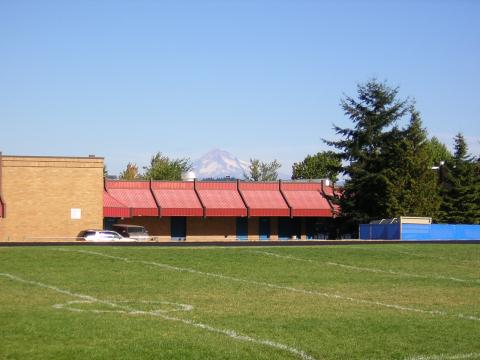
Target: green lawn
[(398, 301)]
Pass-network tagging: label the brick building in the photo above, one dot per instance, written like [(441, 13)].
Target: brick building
[(49, 197), (54, 198), (234, 210)]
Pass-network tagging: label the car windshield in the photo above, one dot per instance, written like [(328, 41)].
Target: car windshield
[(87, 233), (136, 230), (109, 235)]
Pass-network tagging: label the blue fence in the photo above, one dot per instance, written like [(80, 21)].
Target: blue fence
[(380, 231), (419, 232), (440, 232)]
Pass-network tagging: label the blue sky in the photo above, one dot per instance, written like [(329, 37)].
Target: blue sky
[(125, 79)]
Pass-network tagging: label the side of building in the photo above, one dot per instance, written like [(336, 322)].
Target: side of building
[(54, 198), (49, 197)]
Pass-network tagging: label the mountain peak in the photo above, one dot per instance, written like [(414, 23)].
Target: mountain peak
[(218, 163)]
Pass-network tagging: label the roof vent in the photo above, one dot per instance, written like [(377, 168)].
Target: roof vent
[(188, 176)]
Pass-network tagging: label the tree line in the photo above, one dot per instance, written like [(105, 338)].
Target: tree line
[(162, 167), (388, 170), (393, 171)]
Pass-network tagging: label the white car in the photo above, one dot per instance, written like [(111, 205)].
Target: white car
[(102, 235)]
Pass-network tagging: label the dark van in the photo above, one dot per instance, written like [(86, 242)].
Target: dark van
[(132, 231)]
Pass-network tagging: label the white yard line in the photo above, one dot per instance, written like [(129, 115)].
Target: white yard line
[(279, 287), (373, 270), (445, 357), (436, 257), (391, 249), (131, 311)]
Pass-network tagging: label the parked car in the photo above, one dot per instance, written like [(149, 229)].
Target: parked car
[(136, 232), (102, 235)]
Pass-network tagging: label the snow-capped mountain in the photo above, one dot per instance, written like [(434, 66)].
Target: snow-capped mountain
[(219, 164)]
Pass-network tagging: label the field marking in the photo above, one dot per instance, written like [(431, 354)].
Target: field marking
[(445, 357), (68, 306), (373, 270), (436, 257), (391, 249), (279, 287), (132, 311)]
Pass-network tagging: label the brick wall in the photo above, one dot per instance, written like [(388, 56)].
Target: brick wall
[(204, 229), (211, 229), (156, 227), (40, 192), (198, 229)]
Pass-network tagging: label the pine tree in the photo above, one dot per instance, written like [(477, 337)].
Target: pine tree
[(369, 189), (415, 189), (460, 187), (438, 152)]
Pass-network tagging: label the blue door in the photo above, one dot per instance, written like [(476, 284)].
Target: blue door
[(178, 228), (242, 228), (285, 228), (264, 228)]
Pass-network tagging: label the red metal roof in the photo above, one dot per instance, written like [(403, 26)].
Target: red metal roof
[(177, 198), (135, 195), (306, 199), (264, 199), (330, 191), (221, 199), (114, 208)]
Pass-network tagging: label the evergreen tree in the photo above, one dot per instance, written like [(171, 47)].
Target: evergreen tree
[(323, 165), (438, 152), (408, 164), (460, 187), (369, 187)]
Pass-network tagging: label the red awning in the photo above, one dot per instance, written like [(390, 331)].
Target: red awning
[(264, 199), (306, 199), (330, 191), (114, 208), (134, 194), (177, 198), (221, 199)]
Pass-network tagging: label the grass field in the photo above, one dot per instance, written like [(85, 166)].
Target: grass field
[(396, 301)]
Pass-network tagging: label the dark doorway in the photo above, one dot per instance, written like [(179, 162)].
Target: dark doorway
[(242, 228), (264, 228), (318, 228), (285, 228), (289, 228), (310, 228), (297, 228), (108, 222), (178, 227)]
